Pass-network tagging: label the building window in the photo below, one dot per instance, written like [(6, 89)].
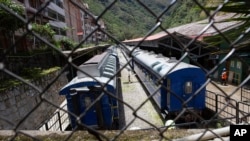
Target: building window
[(232, 64), (34, 3), (52, 14), (59, 31), (56, 15), (86, 16), (63, 32), (56, 30), (61, 18), (82, 15), (238, 65), (58, 3)]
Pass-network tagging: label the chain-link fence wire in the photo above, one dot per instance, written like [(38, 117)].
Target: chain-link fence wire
[(234, 115)]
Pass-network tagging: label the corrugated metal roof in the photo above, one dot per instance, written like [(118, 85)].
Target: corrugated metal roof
[(96, 59), (194, 29)]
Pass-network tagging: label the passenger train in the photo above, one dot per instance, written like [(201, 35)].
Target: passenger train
[(173, 87), (91, 94)]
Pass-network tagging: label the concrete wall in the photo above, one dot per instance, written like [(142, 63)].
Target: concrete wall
[(23, 107)]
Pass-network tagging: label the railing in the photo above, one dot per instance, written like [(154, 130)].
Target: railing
[(245, 93), (231, 111), (59, 121), (227, 109), (194, 42)]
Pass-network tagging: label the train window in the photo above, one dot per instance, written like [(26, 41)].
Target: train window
[(159, 68), (87, 101), (155, 63), (73, 92), (188, 87)]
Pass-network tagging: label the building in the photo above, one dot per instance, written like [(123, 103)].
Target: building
[(52, 14), (171, 43), (69, 20), (82, 24), (56, 12), (73, 20)]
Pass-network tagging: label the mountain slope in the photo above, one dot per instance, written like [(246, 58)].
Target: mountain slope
[(128, 19)]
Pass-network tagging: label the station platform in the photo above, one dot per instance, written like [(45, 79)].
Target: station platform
[(134, 96), (227, 89)]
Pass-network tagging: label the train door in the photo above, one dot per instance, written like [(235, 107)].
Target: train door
[(180, 92), (90, 118), (91, 114), (188, 92)]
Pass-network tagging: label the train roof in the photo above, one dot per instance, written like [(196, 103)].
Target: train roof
[(99, 69), (160, 64), (85, 82), (100, 65), (96, 59)]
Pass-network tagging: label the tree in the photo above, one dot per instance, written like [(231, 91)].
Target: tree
[(241, 8), (9, 23)]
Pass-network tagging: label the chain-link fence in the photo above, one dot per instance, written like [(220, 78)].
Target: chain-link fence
[(37, 61)]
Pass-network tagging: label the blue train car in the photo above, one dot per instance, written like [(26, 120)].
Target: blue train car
[(179, 87), (90, 95)]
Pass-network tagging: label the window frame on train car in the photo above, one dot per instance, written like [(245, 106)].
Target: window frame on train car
[(87, 101), (155, 63), (155, 81), (188, 88)]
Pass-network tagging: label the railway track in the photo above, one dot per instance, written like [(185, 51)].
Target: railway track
[(134, 95)]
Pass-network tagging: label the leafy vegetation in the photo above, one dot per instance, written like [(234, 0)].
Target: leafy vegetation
[(28, 74), (128, 19), (44, 30), (9, 23), (185, 11), (67, 44), (6, 17), (33, 73), (241, 8)]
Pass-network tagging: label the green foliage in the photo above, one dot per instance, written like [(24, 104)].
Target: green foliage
[(5, 84), (43, 30), (46, 32), (67, 44), (241, 8), (9, 22), (125, 16), (235, 6), (183, 12), (128, 19), (33, 52), (33, 73), (28, 74)]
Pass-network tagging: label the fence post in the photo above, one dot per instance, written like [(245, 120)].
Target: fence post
[(237, 113), (241, 94), (216, 103), (59, 120), (46, 126)]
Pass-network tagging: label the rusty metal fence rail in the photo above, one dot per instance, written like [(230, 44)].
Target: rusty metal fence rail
[(234, 113), (245, 94), (59, 121), (23, 33), (244, 109), (211, 99)]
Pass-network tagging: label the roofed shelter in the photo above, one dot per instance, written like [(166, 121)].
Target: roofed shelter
[(189, 37)]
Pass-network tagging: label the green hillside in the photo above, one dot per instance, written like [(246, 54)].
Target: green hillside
[(127, 19)]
